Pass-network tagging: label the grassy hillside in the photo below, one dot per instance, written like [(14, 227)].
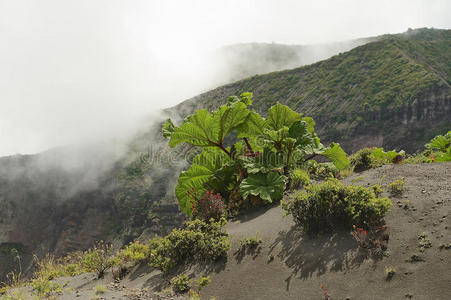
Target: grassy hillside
[(398, 81)]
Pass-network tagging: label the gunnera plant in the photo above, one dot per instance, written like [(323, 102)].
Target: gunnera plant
[(325, 206)]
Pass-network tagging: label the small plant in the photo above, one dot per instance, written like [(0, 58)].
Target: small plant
[(181, 284), (299, 178), (134, 252), (250, 243), (363, 160), (406, 204), (270, 258), (323, 207), (361, 236), (444, 246), (396, 188), (325, 292), (389, 272), (98, 258), (203, 282), (100, 289), (199, 240), (415, 258), (377, 189), (423, 242), (209, 206), (44, 287)]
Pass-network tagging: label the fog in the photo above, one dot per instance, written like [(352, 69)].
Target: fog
[(84, 70)]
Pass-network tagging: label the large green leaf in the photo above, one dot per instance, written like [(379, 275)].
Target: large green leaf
[(444, 156), (192, 181), (168, 128), (301, 132), (268, 187), (337, 156), (206, 130), (229, 118), (254, 125), (440, 142), (311, 123), (200, 129), (280, 116)]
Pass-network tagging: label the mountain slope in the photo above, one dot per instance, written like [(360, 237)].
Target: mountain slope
[(394, 92), (239, 61)]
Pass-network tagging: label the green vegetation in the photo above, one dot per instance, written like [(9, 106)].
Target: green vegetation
[(423, 242), (134, 252), (376, 82), (98, 259), (377, 189), (254, 167), (368, 158), (299, 178), (250, 243), (181, 283), (197, 241), (325, 206), (396, 188), (389, 272), (442, 145), (203, 282), (100, 289)]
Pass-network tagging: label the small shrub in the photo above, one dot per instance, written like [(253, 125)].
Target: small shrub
[(181, 284), (100, 289), (363, 160), (323, 207), (320, 171), (134, 252), (423, 242), (98, 259), (389, 272), (299, 178), (203, 282), (250, 243), (209, 206), (361, 236), (325, 292), (396, 188), (406, 204), (197, 241), (377, 189), (44, 287)]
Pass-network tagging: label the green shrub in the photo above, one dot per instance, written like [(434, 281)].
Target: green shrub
[(181, 284), (299, 178), (97, 259), (396, 188), (199, 241), (134, 252), (203, 282), (321, 171), (323, 207), (100, 289), (363, 159), (251, 242), (377, 189)]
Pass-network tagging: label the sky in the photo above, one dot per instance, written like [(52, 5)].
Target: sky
[(78, 70)]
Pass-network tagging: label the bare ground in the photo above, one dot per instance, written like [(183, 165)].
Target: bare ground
[(288, 265)]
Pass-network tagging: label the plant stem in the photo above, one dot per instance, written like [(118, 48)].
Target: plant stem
[(248, 145)]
